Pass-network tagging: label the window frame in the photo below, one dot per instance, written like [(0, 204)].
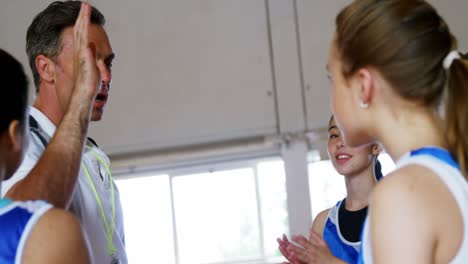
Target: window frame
[(184, 171)]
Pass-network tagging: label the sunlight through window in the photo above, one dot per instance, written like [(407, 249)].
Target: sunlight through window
[(147, 219)]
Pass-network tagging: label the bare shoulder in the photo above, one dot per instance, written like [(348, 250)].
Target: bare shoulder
[(319, 222), (413, 184), (56, 238), (408, 189), (410, 201)]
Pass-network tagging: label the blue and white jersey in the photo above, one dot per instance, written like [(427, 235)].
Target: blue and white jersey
[(17, 219), (338, 245), (442, 164)]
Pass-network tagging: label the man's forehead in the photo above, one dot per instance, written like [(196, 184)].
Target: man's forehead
[(97, 35), (66, 38)]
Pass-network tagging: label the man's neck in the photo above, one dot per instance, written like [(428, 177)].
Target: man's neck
[(50, 110)]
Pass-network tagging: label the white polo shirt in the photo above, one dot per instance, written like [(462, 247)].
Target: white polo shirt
[(83, 204)]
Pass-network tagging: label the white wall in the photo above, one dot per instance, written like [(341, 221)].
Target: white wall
[(187, 72), (190, 72)]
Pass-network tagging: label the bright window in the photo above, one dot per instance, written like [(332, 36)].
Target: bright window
[(216, 216), (272, 185), (227, 214), (146, 204)]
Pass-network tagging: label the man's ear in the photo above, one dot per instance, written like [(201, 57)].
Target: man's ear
[(46, 68)]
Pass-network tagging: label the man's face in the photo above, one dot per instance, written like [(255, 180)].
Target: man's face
[(64, 69)]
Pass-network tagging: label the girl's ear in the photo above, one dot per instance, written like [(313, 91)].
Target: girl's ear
[(366, 86), (14, 136), (377, 148)]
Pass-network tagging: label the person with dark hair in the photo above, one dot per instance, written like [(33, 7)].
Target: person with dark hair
[(393, 64), (31, 230), (43, 38), (335, 236), (92, 194)]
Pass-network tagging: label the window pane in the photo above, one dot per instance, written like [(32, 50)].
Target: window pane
[(327, 187), (272, 186), (216, 216), (147, 218)]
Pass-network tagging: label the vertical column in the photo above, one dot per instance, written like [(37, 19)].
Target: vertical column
[(297, 187), (290, 107), (286, 65)]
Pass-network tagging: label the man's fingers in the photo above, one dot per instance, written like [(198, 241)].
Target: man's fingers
[(81, 28), (85, 24), (79, 22)]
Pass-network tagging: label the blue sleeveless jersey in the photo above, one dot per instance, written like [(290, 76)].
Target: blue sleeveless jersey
[(17, 219), (339, 246)]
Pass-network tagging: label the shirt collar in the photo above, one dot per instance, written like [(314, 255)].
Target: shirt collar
[(43, 121)]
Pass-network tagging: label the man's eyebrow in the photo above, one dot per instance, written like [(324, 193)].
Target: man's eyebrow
[(332, 127)]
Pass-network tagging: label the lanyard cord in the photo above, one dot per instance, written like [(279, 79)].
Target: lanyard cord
[(109, 230)]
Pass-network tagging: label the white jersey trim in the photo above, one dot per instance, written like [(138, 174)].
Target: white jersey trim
[(334, 215)]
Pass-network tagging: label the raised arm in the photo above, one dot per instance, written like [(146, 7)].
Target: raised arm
[(55, 174)]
